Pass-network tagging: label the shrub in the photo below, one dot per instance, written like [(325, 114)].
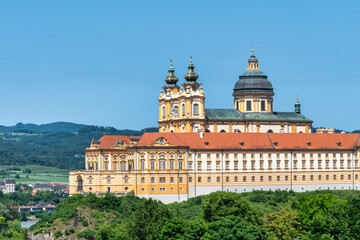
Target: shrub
[(71, 230), (87, 234), (57, 233)]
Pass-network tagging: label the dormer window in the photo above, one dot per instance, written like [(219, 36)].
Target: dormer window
[(207, 143), (308, 143), (276, 143), (338, 143), (242, 143)]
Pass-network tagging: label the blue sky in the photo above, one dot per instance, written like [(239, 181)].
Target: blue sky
[(104, 62)]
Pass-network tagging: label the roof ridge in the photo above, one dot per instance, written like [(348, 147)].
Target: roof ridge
[(357, 140)]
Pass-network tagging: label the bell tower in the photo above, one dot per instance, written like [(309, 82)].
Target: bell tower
[(182, 109)]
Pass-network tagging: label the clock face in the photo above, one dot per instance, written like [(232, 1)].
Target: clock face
[(161, 141)]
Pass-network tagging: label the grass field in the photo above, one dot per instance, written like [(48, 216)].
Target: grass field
[(39, 174)]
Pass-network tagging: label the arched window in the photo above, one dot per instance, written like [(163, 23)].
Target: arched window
[(123, 166), (180, 165), (223, 130), (142, 165), (270, 131), (176, 111), (162, 165), (196, 109), (152, 165), (126, 179), (79, 183), (237, 105), (108, 179), (183, 109), (90, 179), (171, 165), (163, 111)]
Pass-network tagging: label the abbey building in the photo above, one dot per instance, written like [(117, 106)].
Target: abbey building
[(182, 108), (199, 150)]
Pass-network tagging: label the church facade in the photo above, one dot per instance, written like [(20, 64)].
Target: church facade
[(199, 150)]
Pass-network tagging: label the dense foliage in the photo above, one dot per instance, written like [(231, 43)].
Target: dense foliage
[(219, 215), (62, 149)]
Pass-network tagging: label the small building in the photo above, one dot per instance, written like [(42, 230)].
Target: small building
[(8, 185)]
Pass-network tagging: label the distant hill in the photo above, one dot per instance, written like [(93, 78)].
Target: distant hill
[(58, 144), (49, 127)]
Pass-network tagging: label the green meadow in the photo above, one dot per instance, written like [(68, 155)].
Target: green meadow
[(39, 174)]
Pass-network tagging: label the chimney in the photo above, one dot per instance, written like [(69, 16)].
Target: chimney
[(201, 133)]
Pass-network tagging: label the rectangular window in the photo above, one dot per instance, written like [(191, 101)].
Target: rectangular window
[(218, 179), (180, 179), (248, 105), (303, 177), (236, 165), (253, 178), (356, 177), (227, 179), (152, 180), (278, 178), (199, 179), (286, 178), (334, 177), (311, 177), (303, 164), (244, 179), (236, 179), (349, 177), (261, 178), (269, 165), (190, 179), (217, 166), (142, 180), (252, 165), (190, 165), (244, 165), (319, 177), (295, 178), (208, 166), (199, 166), (263, 106), (171, 179), (327, 177), (227, 166), (209, 179)]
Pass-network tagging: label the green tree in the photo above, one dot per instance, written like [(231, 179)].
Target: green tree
[(148, 220), (223, 204), (235, 228), (283, 224)]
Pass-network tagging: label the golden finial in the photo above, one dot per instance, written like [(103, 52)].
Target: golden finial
[(252, 50), (170, 62), (190, 59)]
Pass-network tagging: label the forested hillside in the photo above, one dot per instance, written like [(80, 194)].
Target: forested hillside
[(221, 215), (62, 149)]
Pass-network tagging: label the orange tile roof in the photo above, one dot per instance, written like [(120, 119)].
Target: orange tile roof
[(335, 141), (245, 141), (109, 141)]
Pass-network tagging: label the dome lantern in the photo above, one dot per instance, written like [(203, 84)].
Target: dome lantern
[(253, 80)]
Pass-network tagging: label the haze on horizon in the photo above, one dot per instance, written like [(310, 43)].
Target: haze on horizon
[(103, 63)]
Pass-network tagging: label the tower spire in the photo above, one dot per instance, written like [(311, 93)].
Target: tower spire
[(191, 75), (171, 79)]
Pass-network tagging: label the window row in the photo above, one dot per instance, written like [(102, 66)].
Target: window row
[(175, 111), (278, 178)]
